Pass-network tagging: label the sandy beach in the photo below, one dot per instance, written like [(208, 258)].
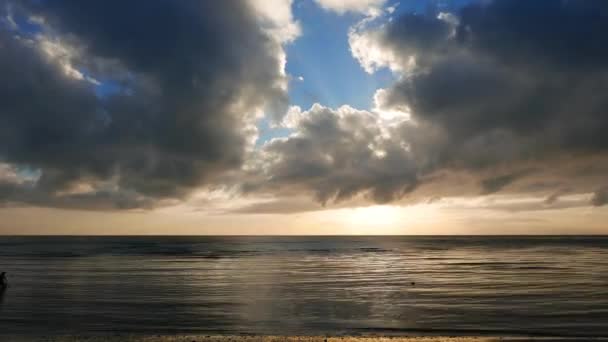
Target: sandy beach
[(208, 338)]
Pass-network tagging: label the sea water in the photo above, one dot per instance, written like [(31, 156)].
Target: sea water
[(447, 285)]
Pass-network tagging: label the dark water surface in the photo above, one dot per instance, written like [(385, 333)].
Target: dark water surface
[(305, 285)]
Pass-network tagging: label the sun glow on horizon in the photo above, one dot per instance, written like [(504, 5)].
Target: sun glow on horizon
[(382, 219), (375, 219), (377, 215)]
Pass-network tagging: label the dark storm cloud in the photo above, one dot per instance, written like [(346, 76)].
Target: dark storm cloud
[(518, 81), (492, 89), (535, 71), (421, 36), (495, 184), (569, 34), (179, 83), (18, 194)]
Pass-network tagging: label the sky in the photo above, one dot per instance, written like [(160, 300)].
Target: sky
[(296, 117)]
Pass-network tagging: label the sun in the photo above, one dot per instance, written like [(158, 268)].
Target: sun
[(372, 216)]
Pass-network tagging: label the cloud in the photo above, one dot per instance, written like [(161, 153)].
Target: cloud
[(140, 104), (367, 7), (600, 197), (127, 113), (497, 183), (488, 92), (501, 88), (516, 203), (402, 45), (288, 205), (277, 19), (336, 154), (8, 174), (502, 78)]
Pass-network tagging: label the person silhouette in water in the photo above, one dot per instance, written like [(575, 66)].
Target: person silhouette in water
[(3, 286)]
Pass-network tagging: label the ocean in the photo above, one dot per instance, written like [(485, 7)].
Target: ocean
[(402, 285)]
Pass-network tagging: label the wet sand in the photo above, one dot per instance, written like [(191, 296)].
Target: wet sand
[(207, 338)]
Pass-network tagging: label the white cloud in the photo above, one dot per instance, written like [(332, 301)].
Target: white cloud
[(10, 21), (8, 174), (277, 19), (11, 174), (57, 51), (336, 154), (63, 55), (366, 47), (293, 116), (395, 114), (372, 45), (451, 19), (367, 7)]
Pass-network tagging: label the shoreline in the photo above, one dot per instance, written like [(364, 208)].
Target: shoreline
[(267, 338)]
